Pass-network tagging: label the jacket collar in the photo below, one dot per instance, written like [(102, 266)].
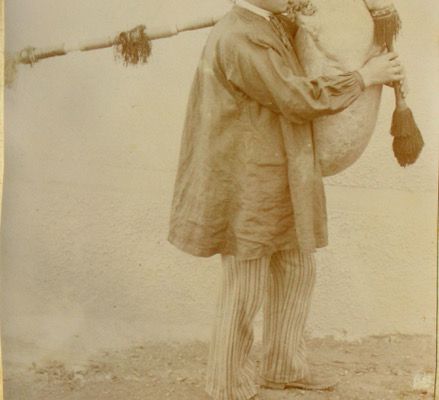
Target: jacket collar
[(255, 9)]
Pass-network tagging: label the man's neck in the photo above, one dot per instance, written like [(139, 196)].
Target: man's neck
[(252, 5)]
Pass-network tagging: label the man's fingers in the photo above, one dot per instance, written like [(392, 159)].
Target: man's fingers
[(396, 72), (392, 55), (404, 87)]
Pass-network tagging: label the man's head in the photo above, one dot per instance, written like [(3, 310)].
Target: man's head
[(274, 6)]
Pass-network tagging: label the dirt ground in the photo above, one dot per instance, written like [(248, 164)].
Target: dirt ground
[(378, 368)]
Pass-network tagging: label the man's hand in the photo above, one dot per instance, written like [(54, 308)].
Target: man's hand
[(382, 69), (376, 51), (403, 85)]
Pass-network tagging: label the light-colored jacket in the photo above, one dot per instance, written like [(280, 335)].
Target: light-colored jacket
[(248, 181)]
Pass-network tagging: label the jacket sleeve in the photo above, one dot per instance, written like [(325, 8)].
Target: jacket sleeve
[(256, 69)]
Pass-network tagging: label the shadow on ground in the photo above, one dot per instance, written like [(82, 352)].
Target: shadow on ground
[(378, 368)]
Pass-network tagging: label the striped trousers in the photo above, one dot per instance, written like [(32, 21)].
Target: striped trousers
[(285, 281)]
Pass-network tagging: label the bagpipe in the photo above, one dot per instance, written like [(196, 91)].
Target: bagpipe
[(334, 37), (337, 36)]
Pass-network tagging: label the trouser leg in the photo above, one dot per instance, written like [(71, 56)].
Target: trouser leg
[(286, 309), (230, 373)]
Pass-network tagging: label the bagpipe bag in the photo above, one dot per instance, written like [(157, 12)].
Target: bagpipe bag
[(338, 38)]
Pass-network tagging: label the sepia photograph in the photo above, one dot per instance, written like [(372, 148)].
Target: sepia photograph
[(219, 200)]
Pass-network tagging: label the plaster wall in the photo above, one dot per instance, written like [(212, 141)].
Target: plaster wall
[(91, 153)]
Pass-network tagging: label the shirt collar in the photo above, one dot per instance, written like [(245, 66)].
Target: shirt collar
[(257, 10)]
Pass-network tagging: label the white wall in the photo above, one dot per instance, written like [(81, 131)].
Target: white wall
[(91, 153)]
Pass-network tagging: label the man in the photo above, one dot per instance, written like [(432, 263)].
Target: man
[(249, 187)]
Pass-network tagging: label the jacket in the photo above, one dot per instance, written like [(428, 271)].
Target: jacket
[(248, 181)]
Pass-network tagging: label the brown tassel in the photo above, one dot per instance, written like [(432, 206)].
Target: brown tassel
[(387, 26), (133, 46), (403, 122), (407, 138)]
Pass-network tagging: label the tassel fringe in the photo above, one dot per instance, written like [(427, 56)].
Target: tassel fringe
[(407, 138), (403, 123), (387, 26), (407, 150), (134, 46)]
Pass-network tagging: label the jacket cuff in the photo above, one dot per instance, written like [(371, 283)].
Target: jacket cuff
[(360, 80)]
